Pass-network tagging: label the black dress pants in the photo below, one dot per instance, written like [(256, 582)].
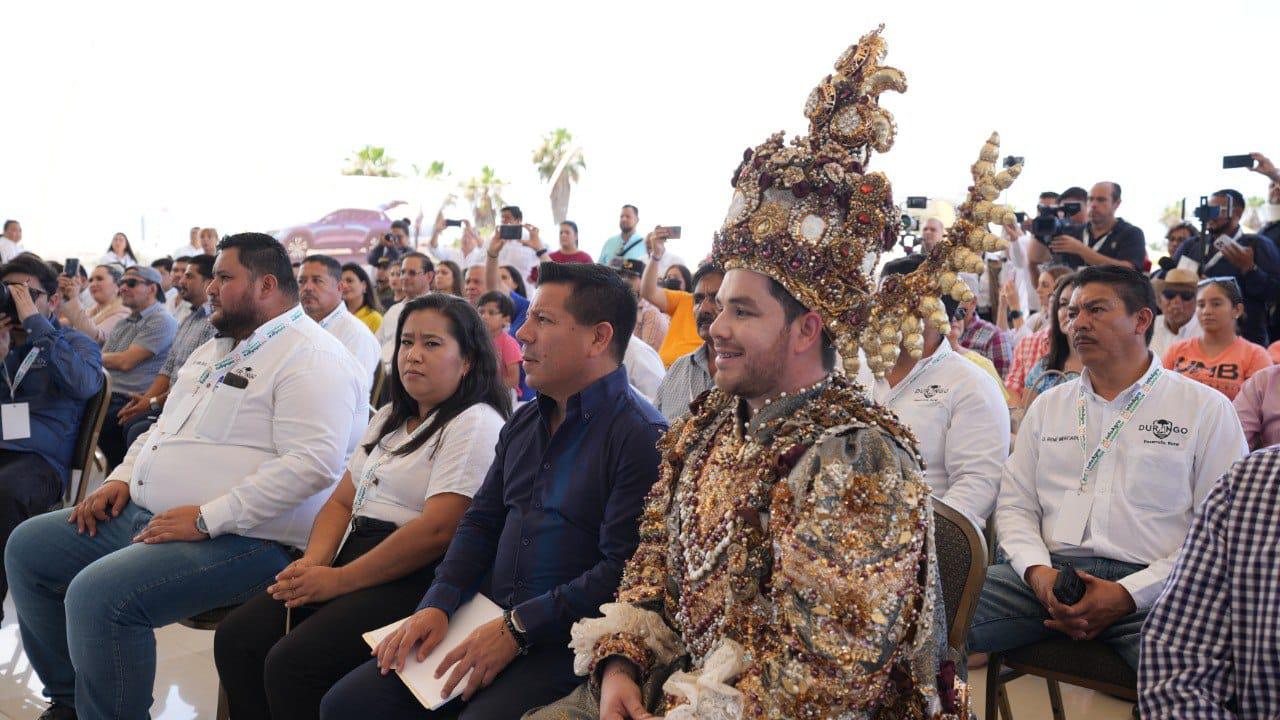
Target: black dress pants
[(268, 674), (539, 678), (28, 486)]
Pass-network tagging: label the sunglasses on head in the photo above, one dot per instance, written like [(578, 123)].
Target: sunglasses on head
[(1224, 279)]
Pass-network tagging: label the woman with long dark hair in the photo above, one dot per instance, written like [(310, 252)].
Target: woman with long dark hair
[(448, 278), (1220, 358), (375, 543), (361, 297), (679, 278), (1061, 363), (119, 252), (511, 279)]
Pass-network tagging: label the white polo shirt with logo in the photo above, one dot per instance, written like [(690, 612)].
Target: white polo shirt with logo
[(959, 416), (1145, 490)]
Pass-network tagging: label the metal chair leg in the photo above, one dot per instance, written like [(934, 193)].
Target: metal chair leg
[(993, 684), (1006, 712), (1055, 700)]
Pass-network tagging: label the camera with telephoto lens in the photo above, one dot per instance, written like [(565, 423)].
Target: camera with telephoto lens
[(1046, 224)]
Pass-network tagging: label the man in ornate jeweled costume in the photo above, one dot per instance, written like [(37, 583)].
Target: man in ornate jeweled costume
[(786, 565)]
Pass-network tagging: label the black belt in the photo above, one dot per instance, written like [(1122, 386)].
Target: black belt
[(360, 522)]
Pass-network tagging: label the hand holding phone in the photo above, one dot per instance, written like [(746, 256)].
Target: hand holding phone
[(71, 268), (1237, 161), (452, 223), (510, 232), (673, 231)]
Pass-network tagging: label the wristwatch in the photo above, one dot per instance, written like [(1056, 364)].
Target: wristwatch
[(541, 252), (1013, 315), (155, 404), (201, 525), (516, 628)]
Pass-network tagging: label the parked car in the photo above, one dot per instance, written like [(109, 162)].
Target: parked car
[(346, 235)]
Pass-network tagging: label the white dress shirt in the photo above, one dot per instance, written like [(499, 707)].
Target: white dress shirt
[(644, 368), (405, 482), (1162, 338), (259, 461), (1145, 490), (387, 332), (356, 337), (187, 251), (520, 256), (958, 414), (9, 249), (178, 308)]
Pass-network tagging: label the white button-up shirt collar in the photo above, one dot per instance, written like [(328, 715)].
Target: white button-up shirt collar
[(960, 419), (1162, 338), (356, 337), (259, 461), (1182, 438)]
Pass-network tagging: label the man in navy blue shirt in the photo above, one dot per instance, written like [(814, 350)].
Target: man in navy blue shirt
[(554, 521), (50, 372)]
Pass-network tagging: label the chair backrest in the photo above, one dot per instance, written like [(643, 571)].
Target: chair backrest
[(962, 565), (95, 412), (375, 394)]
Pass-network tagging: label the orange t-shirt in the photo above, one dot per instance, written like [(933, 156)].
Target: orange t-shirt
[(682, 335), (1226, 372)]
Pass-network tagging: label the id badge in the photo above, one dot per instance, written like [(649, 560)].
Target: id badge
[(1073, 517), (15, 418)]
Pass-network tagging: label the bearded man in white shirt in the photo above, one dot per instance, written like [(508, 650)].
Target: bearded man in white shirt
[(318, 280), (957, 412), (204, 509), (1106, 475)]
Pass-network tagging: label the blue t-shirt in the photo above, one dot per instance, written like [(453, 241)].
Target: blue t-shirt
[(614, 247)]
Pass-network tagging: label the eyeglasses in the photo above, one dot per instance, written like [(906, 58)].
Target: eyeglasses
[(35, 294), (133, 282), (1186, 295)]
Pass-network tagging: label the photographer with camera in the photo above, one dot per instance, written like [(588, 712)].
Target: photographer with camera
[(393, 244), (1104, 240), (50, 373), (1252, 260)]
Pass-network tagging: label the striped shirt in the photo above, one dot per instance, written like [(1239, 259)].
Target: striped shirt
[(1211, 645), (194, 331), (686, 379)]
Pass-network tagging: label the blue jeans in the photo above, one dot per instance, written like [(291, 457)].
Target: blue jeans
[(1009, 614), (88, 606)]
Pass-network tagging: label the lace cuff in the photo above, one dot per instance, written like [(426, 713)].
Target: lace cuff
[(707, 692), (639, 635)]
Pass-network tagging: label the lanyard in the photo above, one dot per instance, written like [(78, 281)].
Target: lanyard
[(325, 323), (1102, 240), (366, 481), (22, 372), (1109, 438), (250, 346), (920, 369)]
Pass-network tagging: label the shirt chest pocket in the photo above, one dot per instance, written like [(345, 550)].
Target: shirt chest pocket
[(1157, 478), (218, 418)]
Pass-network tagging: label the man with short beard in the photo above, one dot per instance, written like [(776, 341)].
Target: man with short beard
[(627, 244), (693, 374), (1176, 295), (207, 504)]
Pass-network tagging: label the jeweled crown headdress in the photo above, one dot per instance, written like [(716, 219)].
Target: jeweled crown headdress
[(810, 216)]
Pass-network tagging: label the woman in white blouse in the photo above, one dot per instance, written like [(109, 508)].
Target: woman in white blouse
[(108, 309), (375, 543), (119, 252)]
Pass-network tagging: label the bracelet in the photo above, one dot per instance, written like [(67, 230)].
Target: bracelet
[(1012, 315), (522, 644), (626, 667)]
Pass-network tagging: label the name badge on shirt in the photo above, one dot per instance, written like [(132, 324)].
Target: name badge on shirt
[(16, 420), (1073, 517)]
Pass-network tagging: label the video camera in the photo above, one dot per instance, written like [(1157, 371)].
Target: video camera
[(910, 224), (1047, 224)]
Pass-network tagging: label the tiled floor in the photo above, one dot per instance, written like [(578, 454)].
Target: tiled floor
[(187, 685)]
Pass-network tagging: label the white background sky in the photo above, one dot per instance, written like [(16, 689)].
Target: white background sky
[(240, 115)]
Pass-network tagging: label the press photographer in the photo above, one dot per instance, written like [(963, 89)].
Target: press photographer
[(1252, 260), (50, 372), (1104, 240)]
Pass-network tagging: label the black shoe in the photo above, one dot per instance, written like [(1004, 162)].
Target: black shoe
[(58, 712)]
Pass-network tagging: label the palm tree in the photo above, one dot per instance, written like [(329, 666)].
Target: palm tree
[(371, 160), (559, 161), (433, 171), (484, 192)]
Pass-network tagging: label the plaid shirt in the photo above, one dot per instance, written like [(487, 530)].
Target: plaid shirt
[(194, 331), (1026, 354), (981, 336), (1211, 645)]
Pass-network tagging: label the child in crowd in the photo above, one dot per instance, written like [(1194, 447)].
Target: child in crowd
[(496, 309)]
